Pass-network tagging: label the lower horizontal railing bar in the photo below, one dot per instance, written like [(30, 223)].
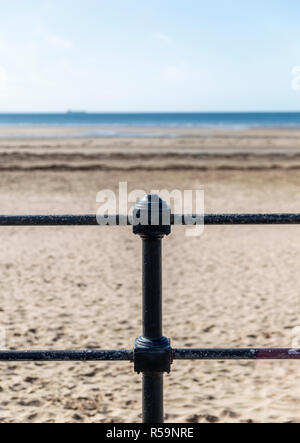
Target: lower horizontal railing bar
[(178, 354), (88, 355), (236, 354), (91, 220)]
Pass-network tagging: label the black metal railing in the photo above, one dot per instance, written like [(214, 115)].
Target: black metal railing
[(152, 354), (93, 220)]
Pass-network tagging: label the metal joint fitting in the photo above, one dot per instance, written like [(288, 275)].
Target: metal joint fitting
[(152, 217), (152, 355)]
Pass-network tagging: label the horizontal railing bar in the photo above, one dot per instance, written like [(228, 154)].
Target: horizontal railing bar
[(88, 355), (91, 220), (236, 354), (178, 354), (247, 219), (48, 220)]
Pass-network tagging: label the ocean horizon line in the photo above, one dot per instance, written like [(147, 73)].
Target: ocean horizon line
[(143, 124)]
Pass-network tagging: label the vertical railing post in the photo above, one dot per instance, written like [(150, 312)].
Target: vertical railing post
[(152, 353)]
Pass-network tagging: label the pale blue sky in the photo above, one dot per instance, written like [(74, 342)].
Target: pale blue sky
[(148, 55)]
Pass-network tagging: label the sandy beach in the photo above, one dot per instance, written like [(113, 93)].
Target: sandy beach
[(79, 287), (69, 148)]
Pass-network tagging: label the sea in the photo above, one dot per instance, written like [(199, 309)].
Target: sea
[(121, 124)]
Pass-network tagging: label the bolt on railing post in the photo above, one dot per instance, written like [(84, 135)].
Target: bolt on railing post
[(152, 353)]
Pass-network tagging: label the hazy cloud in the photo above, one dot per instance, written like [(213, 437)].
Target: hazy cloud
[(3, 79), (173, 73), (162, 37), (4, 46), (59, 42), (296, 79), (55, 40)]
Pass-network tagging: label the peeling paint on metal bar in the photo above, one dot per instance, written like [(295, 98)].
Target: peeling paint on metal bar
[(236, 354)]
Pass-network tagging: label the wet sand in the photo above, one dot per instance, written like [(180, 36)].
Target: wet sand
[(199, 150)]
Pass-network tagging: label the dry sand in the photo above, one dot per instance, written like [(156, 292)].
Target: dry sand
[(64, 288)]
